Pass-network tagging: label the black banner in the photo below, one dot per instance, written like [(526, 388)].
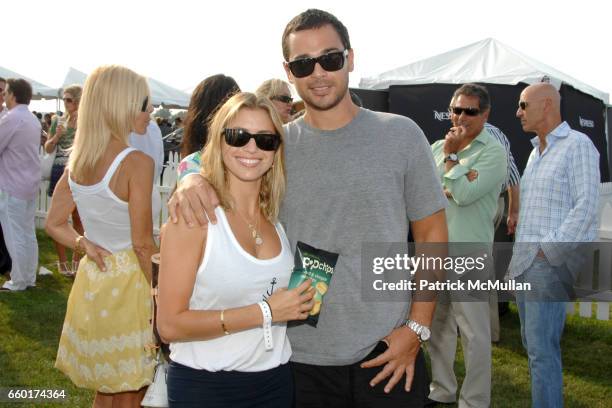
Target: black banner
[(428, 105)]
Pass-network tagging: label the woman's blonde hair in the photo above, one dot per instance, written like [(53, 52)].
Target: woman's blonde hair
[(212, 168), (75, 91), (272, 87), (112, 98)]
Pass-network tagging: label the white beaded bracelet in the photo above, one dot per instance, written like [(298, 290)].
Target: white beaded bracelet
[(267, 324)]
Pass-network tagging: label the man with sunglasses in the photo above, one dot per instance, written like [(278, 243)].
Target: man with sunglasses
[(353, 176), (559, 208), (468, 161)]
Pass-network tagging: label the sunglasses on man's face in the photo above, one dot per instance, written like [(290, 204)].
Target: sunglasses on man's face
[(282, 98), (468, 111), (332, 61), (240, 137), (68, 100), (523, 105)]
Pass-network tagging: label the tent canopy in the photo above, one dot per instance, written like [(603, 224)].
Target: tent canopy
[(38, 90), (74, 76), (160, 92), (488, 61)]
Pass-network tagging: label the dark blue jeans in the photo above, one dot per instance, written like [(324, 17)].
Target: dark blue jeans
[(190, 388), (56, 173)]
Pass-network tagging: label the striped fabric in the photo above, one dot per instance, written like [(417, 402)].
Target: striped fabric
[(513, 177)]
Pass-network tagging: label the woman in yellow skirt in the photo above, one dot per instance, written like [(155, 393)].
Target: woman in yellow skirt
[(107, 328)]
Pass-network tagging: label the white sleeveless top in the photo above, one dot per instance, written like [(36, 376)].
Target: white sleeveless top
[(230, 277), (105, 217)]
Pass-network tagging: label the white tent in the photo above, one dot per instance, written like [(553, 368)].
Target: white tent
[(38, 90), (160, 92), (487, 61), (74, 76), (167, 95)]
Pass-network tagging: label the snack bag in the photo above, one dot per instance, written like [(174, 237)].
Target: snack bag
[(317, 265)]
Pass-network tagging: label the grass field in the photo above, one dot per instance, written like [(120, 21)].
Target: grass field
[(31, 321)]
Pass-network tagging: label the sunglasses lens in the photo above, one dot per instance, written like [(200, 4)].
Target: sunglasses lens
[(302, 67), (236, 137), (333, 61), (145, 104), (283, 98), (523, 105), (268, 142)]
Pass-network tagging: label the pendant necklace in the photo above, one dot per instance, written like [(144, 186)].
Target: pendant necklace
[(253, 228)]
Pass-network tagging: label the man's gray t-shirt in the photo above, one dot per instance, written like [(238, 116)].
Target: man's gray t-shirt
[(360, 183)]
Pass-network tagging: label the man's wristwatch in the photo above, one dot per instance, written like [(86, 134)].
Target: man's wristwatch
[(423, 333), (451, 157)]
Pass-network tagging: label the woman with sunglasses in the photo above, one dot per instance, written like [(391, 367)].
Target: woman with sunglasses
[(223, 305), (61, 137), (280, 95), (107, 328)]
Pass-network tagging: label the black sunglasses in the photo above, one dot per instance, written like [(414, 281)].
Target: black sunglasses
[(332, 61), (282, 98), (240, 137), (523, 105), (68, 100), (468, 111), (145, 104)]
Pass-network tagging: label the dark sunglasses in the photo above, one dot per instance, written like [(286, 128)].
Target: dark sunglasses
[(145, 104), (240, 137), (468, 111), (523, 105), (332, 61), (68, 100), (282, 98)]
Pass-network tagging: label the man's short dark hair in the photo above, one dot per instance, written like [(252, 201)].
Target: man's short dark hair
[(479, 91), (314, 18), (2, 79), (21, 89)]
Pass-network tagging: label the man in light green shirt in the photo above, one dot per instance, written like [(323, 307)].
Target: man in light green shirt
[(472, 184), (472, 166)]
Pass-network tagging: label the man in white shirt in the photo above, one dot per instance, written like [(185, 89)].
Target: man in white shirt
[(152, 144), (5, 258), (19, 180)]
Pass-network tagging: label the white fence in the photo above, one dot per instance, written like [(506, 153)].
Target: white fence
[(601, 279), (166, 185)]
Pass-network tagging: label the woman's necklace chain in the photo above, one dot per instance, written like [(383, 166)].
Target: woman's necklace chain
[(253, 228)]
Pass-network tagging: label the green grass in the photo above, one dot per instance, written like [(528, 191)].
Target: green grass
[(31, 321)]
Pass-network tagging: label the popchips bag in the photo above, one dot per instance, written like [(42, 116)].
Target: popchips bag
[(318, 265)]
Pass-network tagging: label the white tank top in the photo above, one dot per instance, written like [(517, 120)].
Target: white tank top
[(105, 217), (231, 277)]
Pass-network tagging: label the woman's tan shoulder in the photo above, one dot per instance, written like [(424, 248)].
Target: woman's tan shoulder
[(139, 164)]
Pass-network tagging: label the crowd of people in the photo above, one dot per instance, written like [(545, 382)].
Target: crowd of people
[(255, 178)]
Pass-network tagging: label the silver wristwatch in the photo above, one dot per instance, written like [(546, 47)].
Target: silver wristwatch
[(423, 333), (451, 157)]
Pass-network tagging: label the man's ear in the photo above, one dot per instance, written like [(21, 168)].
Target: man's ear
[(485, 114), (351, 60), (290, 77)]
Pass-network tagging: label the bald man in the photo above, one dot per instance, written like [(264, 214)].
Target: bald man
[(559, 203)]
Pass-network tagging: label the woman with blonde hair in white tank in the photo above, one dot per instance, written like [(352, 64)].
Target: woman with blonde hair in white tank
[(223, 302), (107, 325)]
